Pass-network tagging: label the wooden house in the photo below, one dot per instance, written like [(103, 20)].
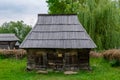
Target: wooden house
[(8, 41), (58, 42)]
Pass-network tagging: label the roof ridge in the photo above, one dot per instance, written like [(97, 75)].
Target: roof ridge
[(57, 24), (56, 14), (7, 33), (61, 39), (56, 31)]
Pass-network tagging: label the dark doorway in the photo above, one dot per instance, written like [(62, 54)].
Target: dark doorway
[(55, 60), (71, 61)]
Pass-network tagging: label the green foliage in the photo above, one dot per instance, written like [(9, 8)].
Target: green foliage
[(12, 69), (2, 56), (115, 63), (101, 19), (59, 8), (18, 28)]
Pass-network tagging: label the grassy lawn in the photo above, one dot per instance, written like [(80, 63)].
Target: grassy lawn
[(11, 69)]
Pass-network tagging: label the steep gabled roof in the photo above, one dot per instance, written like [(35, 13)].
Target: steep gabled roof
[(8, 37), (17, 43), (58, 31)]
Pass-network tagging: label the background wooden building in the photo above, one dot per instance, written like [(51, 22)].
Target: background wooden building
[(58, 42), (17, 44), (8, 41)]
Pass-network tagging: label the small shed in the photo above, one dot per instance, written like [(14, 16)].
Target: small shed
[(17, 44), (8, 41), (58, 42)]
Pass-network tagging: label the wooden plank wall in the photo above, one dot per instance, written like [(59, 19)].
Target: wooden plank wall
[(40, 59)]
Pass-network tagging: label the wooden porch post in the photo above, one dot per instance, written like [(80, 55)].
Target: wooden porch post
[(9, 45), (45, 60), (88, 51), (30, 60), (66, 61)]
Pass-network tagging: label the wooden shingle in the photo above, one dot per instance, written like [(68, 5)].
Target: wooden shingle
[(58, 31), (8, 37)]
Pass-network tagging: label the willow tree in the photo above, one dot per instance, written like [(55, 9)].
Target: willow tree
[(101, 18)]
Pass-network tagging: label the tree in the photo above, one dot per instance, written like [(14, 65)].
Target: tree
[(18, 28), (101, 19)]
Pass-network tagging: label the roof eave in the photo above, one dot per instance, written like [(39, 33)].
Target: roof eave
[(54, 48)]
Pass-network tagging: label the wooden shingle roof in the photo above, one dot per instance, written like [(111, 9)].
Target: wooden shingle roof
[(8, 37), (58, 31)]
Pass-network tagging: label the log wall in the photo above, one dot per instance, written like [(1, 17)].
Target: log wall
[(58, 59), (7, 44)]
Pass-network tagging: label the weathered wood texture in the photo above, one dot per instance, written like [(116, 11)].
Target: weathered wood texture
[(58, 59), (83, 57), (58, 31), (58, 42), (7, 44), (8, 37), (8, 41)]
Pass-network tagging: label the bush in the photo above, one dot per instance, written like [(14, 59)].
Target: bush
[(17, 53), (113, 56), (95, 54), (115, 63)]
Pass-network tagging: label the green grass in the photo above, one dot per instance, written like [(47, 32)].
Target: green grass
[(12, 69)]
